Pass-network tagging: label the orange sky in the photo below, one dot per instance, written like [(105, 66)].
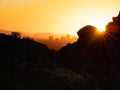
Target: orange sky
[(55, 16)]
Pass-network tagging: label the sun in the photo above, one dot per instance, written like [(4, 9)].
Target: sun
[(100, 29), (100, 25)]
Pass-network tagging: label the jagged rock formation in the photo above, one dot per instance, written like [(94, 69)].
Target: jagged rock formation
[(114, 26), (94, 48), (98, 54)]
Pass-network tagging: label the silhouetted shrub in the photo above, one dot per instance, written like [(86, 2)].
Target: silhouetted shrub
[(16, 34)]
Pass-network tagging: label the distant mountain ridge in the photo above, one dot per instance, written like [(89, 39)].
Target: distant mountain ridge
[(5, 31), (34, 35)]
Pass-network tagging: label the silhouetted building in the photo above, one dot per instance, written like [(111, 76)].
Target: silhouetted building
[(57, 39), (51, 38), (68, 37), (62, 38), (74, 38)]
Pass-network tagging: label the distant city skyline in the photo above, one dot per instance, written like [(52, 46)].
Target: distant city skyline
[(58, 42), (39, 35), (67, 37)]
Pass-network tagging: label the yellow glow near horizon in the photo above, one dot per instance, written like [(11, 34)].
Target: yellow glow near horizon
[(56, 16)]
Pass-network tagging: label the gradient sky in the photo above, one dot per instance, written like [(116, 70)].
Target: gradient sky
[(55, 16)]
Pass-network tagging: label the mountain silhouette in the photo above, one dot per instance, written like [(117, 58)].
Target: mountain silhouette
[(90, 63), (26, 64)]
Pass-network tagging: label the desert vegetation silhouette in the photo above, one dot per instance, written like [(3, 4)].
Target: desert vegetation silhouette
[(90, 63)]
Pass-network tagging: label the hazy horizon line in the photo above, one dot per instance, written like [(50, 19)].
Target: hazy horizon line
[(52, 33)]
